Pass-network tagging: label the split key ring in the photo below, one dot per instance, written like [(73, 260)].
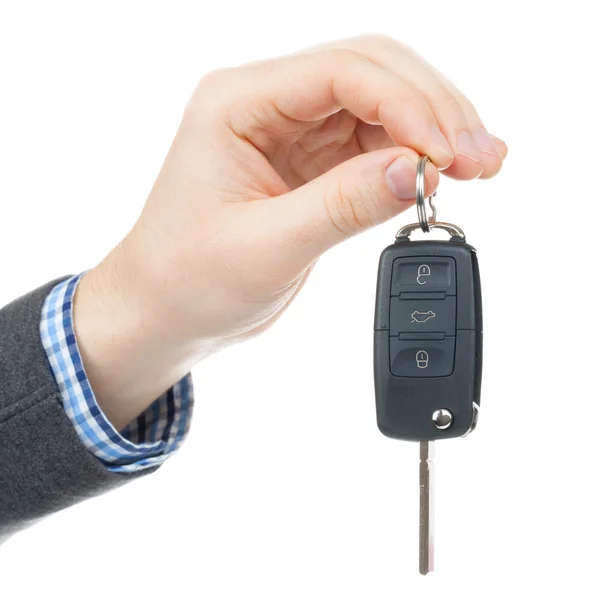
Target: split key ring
[(420, 196)]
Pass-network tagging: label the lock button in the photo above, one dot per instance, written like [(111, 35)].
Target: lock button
[(422, 358), (424, 274)]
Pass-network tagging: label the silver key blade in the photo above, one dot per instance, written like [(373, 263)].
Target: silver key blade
[(426, 507)]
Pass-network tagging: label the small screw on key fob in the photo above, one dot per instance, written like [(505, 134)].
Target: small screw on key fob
[(427, 345)]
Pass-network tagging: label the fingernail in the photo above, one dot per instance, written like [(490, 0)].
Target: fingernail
[(439, 140), (484, 141), (501, 146), (468, 147), (401, 178)]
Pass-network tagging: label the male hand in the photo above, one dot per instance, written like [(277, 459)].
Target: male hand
[(274, 163)]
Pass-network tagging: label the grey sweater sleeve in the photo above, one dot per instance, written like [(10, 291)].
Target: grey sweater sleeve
[(44, 467)]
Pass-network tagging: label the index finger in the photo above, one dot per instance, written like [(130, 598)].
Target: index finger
[(310, 87)]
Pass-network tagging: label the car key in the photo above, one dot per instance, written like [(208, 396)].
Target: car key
[(427, 346)]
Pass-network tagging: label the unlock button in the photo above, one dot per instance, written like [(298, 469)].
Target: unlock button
[(424, 274)]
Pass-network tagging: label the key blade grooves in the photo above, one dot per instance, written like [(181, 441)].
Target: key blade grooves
[(426, 507)]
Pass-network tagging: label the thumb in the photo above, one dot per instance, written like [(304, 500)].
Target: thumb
[(357, 194)]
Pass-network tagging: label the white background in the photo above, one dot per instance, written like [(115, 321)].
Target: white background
[(285, 488)]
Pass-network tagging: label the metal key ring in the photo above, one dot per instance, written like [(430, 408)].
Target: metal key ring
[(454, 230), (420, 196)]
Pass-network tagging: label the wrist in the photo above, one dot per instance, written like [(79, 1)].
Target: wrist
[(129, 353)]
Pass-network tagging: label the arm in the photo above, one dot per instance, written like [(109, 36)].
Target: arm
[(43, 465), (57, 446)]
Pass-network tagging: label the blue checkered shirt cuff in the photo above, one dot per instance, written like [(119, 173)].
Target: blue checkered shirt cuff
[(150, 438)]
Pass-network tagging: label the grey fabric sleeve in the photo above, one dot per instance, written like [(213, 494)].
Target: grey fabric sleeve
[(44, 467)]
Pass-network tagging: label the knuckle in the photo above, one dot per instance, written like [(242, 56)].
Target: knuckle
[(210, 95), (459, 97), (379, 44), (349, 210), (452, 95), (345, 56), (443, 97), (379, 40), (468, 108), (214, 78)]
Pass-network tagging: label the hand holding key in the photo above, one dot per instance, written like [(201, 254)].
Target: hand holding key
[(274, 162)]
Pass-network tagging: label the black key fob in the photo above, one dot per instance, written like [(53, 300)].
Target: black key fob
[(428, 337)]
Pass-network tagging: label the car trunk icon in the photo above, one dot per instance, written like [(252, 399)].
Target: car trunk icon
[(421, 317)]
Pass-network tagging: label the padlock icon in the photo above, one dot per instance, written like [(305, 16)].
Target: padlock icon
[(422, 359), (423, 271)]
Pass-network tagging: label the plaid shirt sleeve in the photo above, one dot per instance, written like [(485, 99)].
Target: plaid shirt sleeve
[(146, 442)]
